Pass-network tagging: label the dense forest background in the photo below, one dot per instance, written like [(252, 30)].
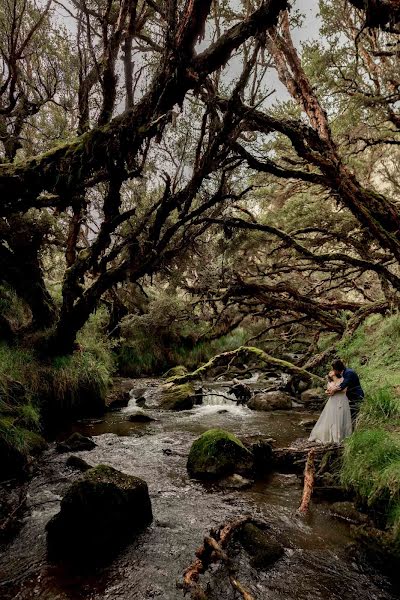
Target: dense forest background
[(182, 178)]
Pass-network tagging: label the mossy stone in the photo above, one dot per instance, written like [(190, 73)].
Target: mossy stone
[(178, 397), (218, 453), (178, 371), (98, 515)]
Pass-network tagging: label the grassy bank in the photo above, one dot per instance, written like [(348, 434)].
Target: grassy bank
[(372, 454), (35, 395)]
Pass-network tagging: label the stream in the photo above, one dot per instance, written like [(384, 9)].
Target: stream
[(319, 560)]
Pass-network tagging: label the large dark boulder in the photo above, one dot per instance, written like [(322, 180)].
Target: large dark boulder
[(273, 400), (98, 515), (218, 453), (261, 545), (76, 443), (263, 459)]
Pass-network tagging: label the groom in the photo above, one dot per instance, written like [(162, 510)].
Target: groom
[(351, 382)]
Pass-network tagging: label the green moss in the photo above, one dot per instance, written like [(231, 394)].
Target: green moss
[(178, 397), (177, 371), (217, 453)]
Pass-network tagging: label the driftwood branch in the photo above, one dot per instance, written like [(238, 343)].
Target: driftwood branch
[(309, 478), (213, 550)]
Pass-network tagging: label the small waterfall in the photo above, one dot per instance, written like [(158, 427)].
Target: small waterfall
[(132, 404), (218, 397)]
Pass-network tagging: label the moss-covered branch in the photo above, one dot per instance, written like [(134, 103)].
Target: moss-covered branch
[(244, 352)]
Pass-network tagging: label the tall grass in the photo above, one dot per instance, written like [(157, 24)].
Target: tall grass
[(371, 465), (36, 394)]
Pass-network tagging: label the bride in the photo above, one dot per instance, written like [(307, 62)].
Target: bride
[(334, 424)]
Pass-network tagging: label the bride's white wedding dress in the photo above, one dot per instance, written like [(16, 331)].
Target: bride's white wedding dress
[(334, 424)]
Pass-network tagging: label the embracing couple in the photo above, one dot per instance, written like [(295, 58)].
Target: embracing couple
[(340, 412)]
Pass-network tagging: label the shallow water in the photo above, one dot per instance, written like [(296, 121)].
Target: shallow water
[(316, 563)]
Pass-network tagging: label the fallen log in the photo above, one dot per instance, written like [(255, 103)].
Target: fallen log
[(309, 478), (245, 353), (293, 459), (211, 551)]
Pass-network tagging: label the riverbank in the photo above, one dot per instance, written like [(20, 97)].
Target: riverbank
[(371, 466)]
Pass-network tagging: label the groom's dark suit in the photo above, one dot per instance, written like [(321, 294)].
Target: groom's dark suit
[(354, 392)]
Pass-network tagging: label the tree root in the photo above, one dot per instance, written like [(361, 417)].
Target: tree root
[(211, 551)]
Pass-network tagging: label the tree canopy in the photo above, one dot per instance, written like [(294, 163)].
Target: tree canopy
[(194, 149)]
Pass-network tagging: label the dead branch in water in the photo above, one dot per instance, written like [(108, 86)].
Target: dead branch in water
[(309, 477), (211, 551)]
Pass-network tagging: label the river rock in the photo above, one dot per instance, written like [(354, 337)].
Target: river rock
[(140, 417), (241, 391), (313, 396), (235, 482), (262, 453), (77, 463), (261, 545), (346, 511), (98, 515), (273, 400), (218, 453), (178, 371), (177, 397), (119, 395), (308, 423), (76, 443)]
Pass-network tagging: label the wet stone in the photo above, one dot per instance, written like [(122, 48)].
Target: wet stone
[(346, 511), (308, 423), (98, 515), (261, 545), (235, 482), (140, 418), (77, 463), (272, 400), (218, 453), (75, 443)]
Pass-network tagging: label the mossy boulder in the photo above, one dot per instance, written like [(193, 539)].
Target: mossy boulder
[(218, 453), (178, 371), (261, 545), (98, 515), (177, 397), (273, 400)]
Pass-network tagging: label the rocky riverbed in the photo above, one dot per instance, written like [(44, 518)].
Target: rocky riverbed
[(319, 559)]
